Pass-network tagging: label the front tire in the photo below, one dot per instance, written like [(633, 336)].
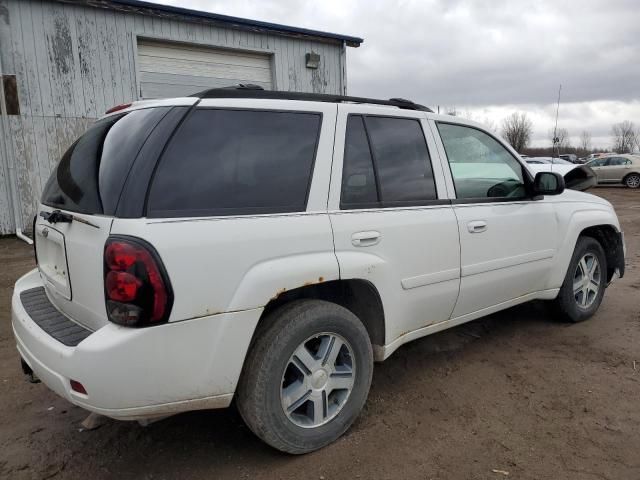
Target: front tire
[(632, 181), (583, 288), (306, 377)]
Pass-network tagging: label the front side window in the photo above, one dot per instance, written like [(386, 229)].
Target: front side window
[(386, 163), (236, 162), (480, 166)]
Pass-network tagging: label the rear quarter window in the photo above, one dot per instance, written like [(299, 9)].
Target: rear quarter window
[(236, 162), (90, 175)]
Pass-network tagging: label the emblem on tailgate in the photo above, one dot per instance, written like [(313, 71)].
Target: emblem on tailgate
[(45, 232)]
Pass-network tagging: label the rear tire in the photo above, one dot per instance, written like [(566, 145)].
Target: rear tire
[(307, 376), (632, 181), (585, 282)]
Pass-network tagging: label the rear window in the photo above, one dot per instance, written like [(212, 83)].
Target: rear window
[(90, 175), (236, 162), (386, 164)]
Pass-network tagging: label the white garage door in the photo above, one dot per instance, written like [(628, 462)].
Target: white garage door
[(173, 70)]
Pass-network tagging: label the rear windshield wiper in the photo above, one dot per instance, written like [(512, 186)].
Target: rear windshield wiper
[(57, 216)]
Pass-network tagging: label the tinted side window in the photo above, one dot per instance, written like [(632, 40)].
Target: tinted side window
[(480, 165), (121, 147), (234, 162), (91, 173), (619, 161), (401, 160), (358, 178)]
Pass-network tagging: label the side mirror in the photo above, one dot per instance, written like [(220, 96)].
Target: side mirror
[(548, 183)]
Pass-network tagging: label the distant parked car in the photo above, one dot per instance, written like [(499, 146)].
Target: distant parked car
[(547, 160), (576, 176), (570, 157), (623, 169)]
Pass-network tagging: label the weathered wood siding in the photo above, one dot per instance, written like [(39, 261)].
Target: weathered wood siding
[(73, 62)]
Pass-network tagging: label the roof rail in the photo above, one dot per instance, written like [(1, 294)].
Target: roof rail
[(256, 91)]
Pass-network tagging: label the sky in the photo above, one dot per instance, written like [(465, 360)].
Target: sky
[(486, 59)]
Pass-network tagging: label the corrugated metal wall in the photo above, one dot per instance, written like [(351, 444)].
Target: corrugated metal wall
[(73, 62)]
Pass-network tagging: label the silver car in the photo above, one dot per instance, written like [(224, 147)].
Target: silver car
[(623, 169)]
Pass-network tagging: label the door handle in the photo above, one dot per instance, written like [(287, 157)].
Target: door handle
[(477, 226), (365, 239)]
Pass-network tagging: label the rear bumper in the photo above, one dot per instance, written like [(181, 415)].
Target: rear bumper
[(132, 374)]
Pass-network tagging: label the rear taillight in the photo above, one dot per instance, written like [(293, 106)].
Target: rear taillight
[(136, 287)]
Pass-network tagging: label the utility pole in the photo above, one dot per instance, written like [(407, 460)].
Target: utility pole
[(556, 140)]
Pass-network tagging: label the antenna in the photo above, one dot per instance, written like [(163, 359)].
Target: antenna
[(555, 129)]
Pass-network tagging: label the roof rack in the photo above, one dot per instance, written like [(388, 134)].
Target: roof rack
[(256, 91)]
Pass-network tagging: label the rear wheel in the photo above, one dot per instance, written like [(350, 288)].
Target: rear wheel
[(632, 181), (306, 377), (585, 282)]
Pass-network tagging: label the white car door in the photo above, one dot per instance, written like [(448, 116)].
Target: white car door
[(507, 239), (392, 222)]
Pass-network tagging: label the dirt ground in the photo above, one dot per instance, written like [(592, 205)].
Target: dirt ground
[(514, 392)]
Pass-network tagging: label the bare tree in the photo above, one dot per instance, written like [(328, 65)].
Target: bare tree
[(517, 129), (560, 141), (585, 141), (488, 123), (625, 137)]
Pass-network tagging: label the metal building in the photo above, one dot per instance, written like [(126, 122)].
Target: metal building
[(65, 62)]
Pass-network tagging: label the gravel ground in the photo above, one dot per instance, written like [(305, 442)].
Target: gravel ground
[(513, 395)]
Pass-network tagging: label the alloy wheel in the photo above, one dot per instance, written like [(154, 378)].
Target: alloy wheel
[(317, 380), (586, 280), (633, 181)]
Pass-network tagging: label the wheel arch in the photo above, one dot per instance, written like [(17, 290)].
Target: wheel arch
[(359, 296), (608, 237), (624, 179), (597, 222)]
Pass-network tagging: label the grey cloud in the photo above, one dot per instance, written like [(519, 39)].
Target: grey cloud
[(479, 54)]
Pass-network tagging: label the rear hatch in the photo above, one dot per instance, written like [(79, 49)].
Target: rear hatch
[(77, 209)]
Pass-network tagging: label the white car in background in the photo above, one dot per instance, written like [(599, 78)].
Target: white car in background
[(576, 176), (549, 164)]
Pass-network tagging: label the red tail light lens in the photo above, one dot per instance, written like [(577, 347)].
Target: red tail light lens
[(122, 286), (137, 289)]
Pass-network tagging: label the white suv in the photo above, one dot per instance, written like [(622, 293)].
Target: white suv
[(269, 246)]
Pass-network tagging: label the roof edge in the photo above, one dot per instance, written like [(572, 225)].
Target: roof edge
[(238, 22)]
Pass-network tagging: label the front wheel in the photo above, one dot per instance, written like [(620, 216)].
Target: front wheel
[(632, 181), (585, 282), (306, 377)]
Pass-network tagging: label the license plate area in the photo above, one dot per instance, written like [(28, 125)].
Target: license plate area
[(52, 260)]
